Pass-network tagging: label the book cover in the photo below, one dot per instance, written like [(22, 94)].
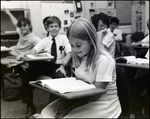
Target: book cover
[(64, 85)]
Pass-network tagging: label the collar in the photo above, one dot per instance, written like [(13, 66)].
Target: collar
[(54, 37)]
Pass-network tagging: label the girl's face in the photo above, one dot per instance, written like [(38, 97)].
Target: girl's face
[(80, 47), (25, 29), (53, 29), (101, 25)]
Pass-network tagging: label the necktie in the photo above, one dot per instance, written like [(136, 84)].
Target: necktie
[(54, 50)]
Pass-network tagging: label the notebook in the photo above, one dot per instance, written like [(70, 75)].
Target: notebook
[(64, 85), (40, 56), (132, 60)]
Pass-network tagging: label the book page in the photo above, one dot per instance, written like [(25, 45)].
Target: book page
[(139, 61), (63, 85), (40, 56)]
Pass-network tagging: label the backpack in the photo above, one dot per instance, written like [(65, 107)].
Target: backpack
[(12, 87)]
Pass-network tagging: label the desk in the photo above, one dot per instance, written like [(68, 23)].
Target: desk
[(73, 95), (143, 66), (30, 60), (37, 58), (138, 47)]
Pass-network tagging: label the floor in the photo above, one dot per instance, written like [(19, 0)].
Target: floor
[(16, 109)]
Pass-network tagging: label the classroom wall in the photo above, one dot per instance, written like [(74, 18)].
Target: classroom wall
[(35, 12), (35, 7), (146, 16)]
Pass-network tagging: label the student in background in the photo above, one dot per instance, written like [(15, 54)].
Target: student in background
[(114, 22), (139, 87), (45, 25), (93, 65), (101, 22), (143, 42), (56, 68), (27, 40)]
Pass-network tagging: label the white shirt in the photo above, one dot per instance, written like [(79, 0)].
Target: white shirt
[(62, 43), (147, 54), (145, 41), (25, 43), (117, 34), (109, 42)]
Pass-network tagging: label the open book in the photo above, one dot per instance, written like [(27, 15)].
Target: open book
[(42, 56), (64, 85), (132, 60)]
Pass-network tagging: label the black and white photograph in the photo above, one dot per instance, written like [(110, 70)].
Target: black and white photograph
[(75, 59)]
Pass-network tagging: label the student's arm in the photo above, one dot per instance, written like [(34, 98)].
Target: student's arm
[(66, 61), (22, 55), (144, 42), (136, 43), (13, 19), (105, 70)]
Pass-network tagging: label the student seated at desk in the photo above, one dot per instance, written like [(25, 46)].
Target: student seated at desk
[(45, 24), (101, 22), (27, 40), (143, 42), (139, 87), (114, 22), (93, 65), (59, 47)]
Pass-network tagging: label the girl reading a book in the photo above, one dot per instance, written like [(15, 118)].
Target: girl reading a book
[(94, 65)]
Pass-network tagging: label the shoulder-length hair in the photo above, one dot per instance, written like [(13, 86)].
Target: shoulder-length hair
[(24, 21), (84, 30)]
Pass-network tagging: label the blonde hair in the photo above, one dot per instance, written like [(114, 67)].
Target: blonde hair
[(83, 29)]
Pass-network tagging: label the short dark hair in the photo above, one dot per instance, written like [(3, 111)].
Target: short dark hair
[(25, 21), (137, 36), (101, 16), (114, 19), (53, 19), (45, 19)]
